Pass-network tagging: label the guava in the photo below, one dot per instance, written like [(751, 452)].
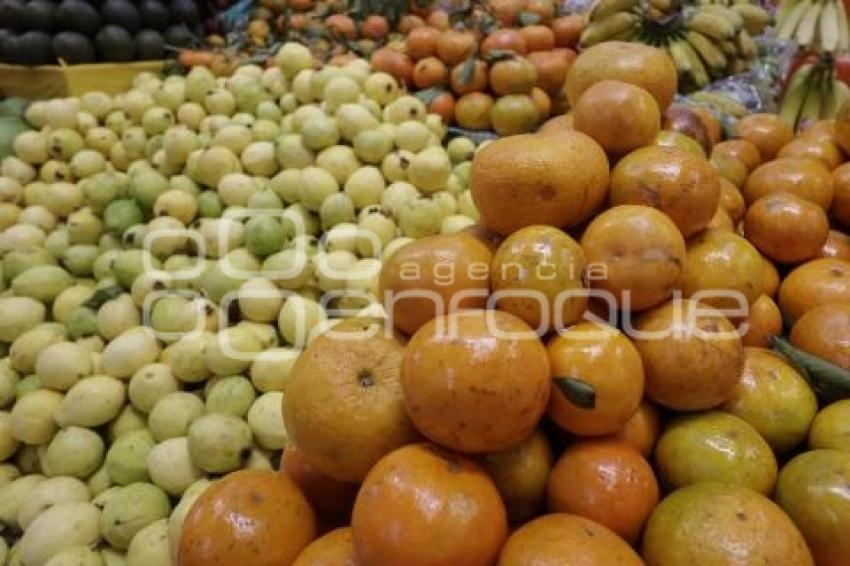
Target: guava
[(420, 217), (116, 316), (170, 466), (353, 118), (381, 87), (173, 414), (62, 364), (17, 169), (132, 509), (340, 90), (26, 348), (51, 492), (91, 402), (126, 460), (265, 418), (291, 152), (149, 546), (383, 230), (372, 146), (220, 102), (178, 142), (101, 139), (231, 352), (272, 368), (336, 209), (317, 184), (287, 184), (219, 442), (199, 81), (412, 135), (117, 121), (13, 494), (297, 319), (365, 186), (292, 58), (128, 352), (403, 108), (63, 526), (31, 146), (76, 556), (135, 103), (84, 227), (99, 481), (396, 196), (466, 206), (289, 269), (150, 384), (62, 113), (429, 169), (191, 114), (232, 395), (214, 163), (446, 201)]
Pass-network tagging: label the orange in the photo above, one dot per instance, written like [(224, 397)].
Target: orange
[(331, 499), (503, 40), (678, 183), (396, 63), (824, 151), (770, 277), (557, 124), (683, 334), (768, 132), (523, 180), (514, 114), (486, 236), (255, 517), (634, 63), (374, 27), (599, 358), (520, 474), (841, 203), (333, 549), (551, 69), (543, 9), (429, 276), (721, 220), (722, 523), (548, 263), (429, 72), (722, 270), (438, 19), (343, 406), (837, 246), (506, 11), (475, 381), (786, 228), (542, 102), (567, 30), (454, 46), (641, 430), (516, 75), (638, 252), (732, 201), (730, 168), (410, 22), (814, 283), (684, 120), (824, 331), (422, 42), (423, 506), (538, 37), (763, 321), (711, 123), (341, 25), (801, 176), (560, 539), (822, 130), (620, 116), (607, 481), (743, 150), (472, 111), (477, 82), (444, 106)]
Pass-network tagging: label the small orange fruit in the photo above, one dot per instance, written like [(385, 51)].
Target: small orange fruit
[(837, 246), (503, 40), (768, 132), (454, 46), (814, 283), (770, 277), (422, 42), (732, 201), (763, 321), (423, 506), (568, 30), (443, 105), (516, 75), (472, 111), (551, 69), (786, 228), (801, 176), (824, 151), (331, 499), (557, 124), (333, 549), (744, 150), (841, 204), (429, 72), (476, 83), (642, 429), (823, 331), (538, 37), (514, 114), (542, 102)]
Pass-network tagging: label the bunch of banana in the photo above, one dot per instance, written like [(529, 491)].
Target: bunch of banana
[(711, 39), (812, 93), (817, 25)]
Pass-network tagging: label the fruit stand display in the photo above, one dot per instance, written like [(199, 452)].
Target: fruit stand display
[(458, 284)]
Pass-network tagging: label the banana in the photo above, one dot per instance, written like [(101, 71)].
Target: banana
[(747, 48), (828, 22), (606, 8), (724, 103), (790, 19), (698, 72), (843, 31), (663, 5), (707, 50), (756, 18), (680, 57), (805, 33), (831, 97), (711, 25), (728, 14), (728, 48), (795, 93), (598, 32), (811, 109)]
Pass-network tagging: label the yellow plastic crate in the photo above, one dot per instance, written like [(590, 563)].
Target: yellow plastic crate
[(51, 81)]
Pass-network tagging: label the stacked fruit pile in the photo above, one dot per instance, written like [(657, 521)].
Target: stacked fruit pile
[(41, 32)]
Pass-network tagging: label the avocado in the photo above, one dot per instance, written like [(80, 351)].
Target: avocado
[(10, 14), (35, 48), (77, 15), (150, 46), (185, 12), (180, 36), (72, 47), (154, 15), (38, 15), (114, 44), (121, 13), (6, 35)]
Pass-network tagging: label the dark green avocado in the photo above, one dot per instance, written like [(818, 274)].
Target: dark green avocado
[(79, 16), (150, 46), (35, 48), (10, 14), (37, 15), (154, 15), (74, 48), (114, 45), (121, 13)]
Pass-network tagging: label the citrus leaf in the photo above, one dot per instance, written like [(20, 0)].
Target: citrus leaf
[(428, 95), (103, 295), (500, 55), (829, 381), (578, 392), (467, 71), (528, 18)]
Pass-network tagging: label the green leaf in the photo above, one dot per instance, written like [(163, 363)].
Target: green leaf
[(460, 16), (428, 95), (828, 380), (103, 295), (467, 72), (578, 392), (528, 18), (496, 55), (488, 24)]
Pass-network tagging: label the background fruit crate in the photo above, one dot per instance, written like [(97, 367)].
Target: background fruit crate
[(51, 81)]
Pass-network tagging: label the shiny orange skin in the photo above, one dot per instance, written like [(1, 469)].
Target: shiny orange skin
[(721, 220), (522, 180), (711, 123), (732, 201), (551, 69), (635, 63), (825, 332), (341, 25), (486, 236), (621, 117), (841, 203), (801, 176), (538, 37), (768, 132), (713, 355), (438, 19), (607, 481), (743, 150), (568, 30), (396, 63), (764, 321), (454, 46), (786, 228), (422, 42), (602, 357), (822, 130), (504, 40), (506, 11), (560, 539), (472, 111), (730, 168), (410, 22), (424, 506), (770, 277), (331, 499), (814, 283), (475, 381), (430, 72), (824, 151), (444, 106), (685, 121), (333, 549), (658, 176), (253, 517), (641, 430), (642, 253), (544, 9), (837, 246), (423, 266), (557, 124), (513, 76), (375, 27), (477, 83), (542, 102)]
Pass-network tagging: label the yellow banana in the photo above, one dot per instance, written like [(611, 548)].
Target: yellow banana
[(728, 14), (811, 110), (791, 13), (828, 23), (707, 49), (698, 72), (795, 93), (664, 5), (805, 33), (606, 8), (598, 32), (720, 101), (680, 57), (711, 25), (756, 18), (728, 48), (843, 31), (747, 48)]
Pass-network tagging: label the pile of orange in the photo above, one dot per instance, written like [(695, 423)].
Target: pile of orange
[(596, 385)]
